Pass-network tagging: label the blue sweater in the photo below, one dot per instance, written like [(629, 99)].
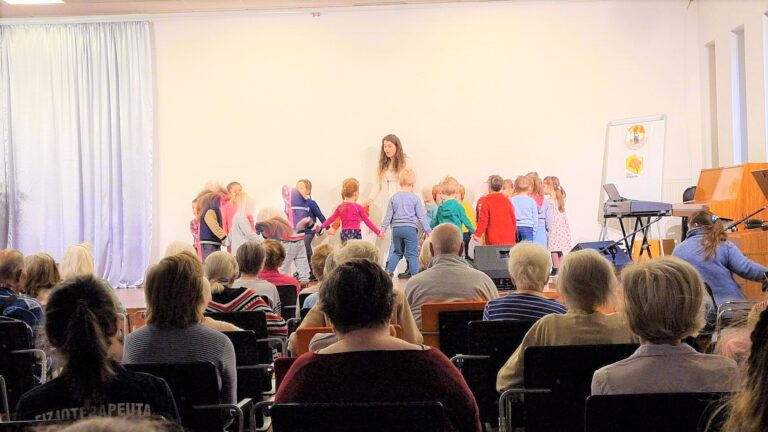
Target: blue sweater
[(405, 209), (303, 207), (526, 211), (718, 271)]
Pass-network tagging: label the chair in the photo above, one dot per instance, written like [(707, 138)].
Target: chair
[(17, 363), (302, 297), (430, 326), (732, 313), (453, 335), (254, 369), (664, 412), (491, 343), (255, 321), (559, 376), (354, 417), (304, 336), (290, 300), (195, 388), (282, 366)]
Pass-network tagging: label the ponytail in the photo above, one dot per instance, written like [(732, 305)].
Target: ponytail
[(713, 230), (80, 320)]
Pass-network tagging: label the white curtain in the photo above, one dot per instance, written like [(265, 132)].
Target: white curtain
[(76, 116)]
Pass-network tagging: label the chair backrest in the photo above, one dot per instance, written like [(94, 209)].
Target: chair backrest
[(567, 372), (302, 297), (498, 340), (379, 417), (256, 321), (282, 366), (251, 382), (16, 369), (304, 312), (289, 299), (454, 330), (665, 412), (192, 384), (304, 336), (430, 326)]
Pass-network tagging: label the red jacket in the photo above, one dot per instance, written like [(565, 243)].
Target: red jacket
[(496, 219)]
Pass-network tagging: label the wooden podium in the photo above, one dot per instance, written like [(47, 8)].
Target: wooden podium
[(733, 193)]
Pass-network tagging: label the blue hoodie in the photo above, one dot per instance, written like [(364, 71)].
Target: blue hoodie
[(718, 271), (303, 208)]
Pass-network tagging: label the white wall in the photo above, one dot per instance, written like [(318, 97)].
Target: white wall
[(717, 20), (471, 90)]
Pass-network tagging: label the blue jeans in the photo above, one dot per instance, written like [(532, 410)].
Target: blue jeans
[(208, 249), (406, 242), (525, 233)]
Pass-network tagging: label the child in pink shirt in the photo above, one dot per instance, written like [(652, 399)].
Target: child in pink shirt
[(351, 214)]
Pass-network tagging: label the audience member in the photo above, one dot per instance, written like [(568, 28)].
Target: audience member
[(174, 294), (664, 301), (734, 342), (13, 304), (707, 248), (80, 321), (496, 215), (529, 269), (586, 282), (42, 276), (78, 261), (251, 256), (358, 299), (747, 410), (116, 424), (179, 246), (401, 313), (425, 255), (221, 270), (449, 278), (275, 255)]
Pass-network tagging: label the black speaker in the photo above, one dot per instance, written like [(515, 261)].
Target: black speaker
[(494, 261), (615, 255)]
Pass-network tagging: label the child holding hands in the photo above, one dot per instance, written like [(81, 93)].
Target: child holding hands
[(351, 214), (450, 210), (404, 213)]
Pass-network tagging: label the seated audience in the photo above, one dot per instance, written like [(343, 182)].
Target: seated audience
[(319, 255), (529, 268), (425, 254), (586, 282), (42, 276), (275, 257), (221, 270), (116, 424), (80, 321), (707, 248), (733, 342), (401, 313), (209, 322), (358, 299), (175, 294), (179, 246), (664, 301), (449, 278), (747, 410), (13, 304), (250, 257), (78, 261)]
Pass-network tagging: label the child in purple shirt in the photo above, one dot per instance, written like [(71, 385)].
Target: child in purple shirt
[(404, 213), (351, 214)]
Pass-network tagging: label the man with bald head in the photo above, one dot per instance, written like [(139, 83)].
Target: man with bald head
[(449, 278)]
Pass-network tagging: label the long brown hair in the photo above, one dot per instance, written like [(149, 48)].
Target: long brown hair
[(748, 409), (713, 229), (174, 292), (42, 273), (558, 193), (398, 161)]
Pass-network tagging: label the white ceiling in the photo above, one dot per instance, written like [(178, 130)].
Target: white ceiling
[(121, 7)]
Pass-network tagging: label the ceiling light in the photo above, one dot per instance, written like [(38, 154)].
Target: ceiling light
[(32, 2)]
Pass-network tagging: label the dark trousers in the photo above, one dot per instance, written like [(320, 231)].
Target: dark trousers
[(208, 249)]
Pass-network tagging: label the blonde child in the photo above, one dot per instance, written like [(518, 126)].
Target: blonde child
[(450, 210), (404, 214), (560, 231), (430, 201), (350, 213), (508, 188), (526, 210), (471, 215)]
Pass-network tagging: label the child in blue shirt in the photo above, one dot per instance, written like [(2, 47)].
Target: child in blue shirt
[(404, 213), (526, 210), (304, 206)]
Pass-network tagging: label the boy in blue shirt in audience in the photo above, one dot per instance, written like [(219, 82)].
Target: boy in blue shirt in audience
[(404, 213), (526, 211)]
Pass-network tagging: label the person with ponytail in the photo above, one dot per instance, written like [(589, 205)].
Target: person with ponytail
[(559, 231), (707, 248), (81, 323)]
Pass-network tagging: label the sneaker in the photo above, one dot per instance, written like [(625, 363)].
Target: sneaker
[(404, 276)]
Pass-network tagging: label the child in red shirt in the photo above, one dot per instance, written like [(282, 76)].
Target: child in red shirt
[(496, 215)]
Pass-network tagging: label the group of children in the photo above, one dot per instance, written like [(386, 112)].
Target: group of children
[(526, 209)]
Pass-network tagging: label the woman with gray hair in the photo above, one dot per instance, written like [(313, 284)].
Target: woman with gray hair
[(664, 300)]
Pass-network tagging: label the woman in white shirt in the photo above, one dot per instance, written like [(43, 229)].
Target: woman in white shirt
[(664, 300)]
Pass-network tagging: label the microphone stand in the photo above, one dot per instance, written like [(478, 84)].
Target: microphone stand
[(745, 218), (611, 248)]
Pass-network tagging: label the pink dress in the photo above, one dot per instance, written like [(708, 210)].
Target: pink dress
[(560, 232)]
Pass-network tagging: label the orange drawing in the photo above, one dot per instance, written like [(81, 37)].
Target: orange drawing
[(634, 165)]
